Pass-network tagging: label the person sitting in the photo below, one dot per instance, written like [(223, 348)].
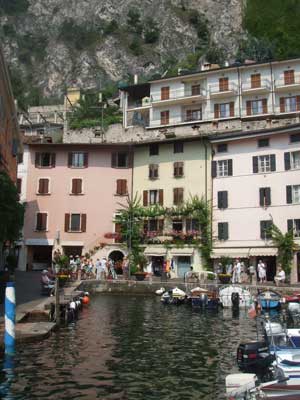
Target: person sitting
[(47, 283), (280, 276)]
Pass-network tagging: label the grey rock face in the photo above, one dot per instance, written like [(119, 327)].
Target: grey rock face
[(107, 56)]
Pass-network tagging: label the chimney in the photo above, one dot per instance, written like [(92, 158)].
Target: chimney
[(135, 79)]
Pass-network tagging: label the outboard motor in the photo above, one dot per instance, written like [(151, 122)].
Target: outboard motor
[(204, 300), (254, 357), (235, 300)]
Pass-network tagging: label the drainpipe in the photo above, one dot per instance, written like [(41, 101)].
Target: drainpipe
[(240, 89), (272, 88)]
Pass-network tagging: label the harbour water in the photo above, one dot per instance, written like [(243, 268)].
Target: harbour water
[(133, 348)]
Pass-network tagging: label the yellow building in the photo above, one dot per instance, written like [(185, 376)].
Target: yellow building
[(169, 174)]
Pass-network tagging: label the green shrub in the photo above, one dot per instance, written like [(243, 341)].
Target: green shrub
[(111, 27), (151, 31), (14, 7), (78, 36), (134, 23), (136, 47)]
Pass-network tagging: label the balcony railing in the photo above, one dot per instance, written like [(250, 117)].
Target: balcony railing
[(263, 84), (178, 119), (178, 94), (216, 89), (287, 82)]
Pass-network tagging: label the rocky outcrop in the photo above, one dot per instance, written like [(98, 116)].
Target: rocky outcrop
[(58, 43)]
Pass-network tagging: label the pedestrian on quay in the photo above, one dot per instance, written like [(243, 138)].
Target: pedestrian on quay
[(103, 269), (280, 276), (261, 271), (252, 275), (125, 267), (98, 269)]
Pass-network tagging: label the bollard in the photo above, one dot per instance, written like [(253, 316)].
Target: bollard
[(10, 318)]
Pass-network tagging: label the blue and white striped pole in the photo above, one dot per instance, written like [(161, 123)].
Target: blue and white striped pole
[(10, 318)]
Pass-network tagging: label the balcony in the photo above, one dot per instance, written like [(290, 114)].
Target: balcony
[(255, 113), (264, 86), (222, 91), (176, 119), (139, 104), (287, 84), (186, 95)]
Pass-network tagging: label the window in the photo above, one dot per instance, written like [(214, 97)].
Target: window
[(263, 142), (289, 104), (295, 138), (192, 224), (265, 197), (178, 169), (223, 84), (120, 160), (45, 160), (263, 164), (41, 221), (154, 225), (178, 147), (294, 225), (153, 171), (153, 149), (164, 117), (265, 233), (293, 194), (255, 107), (165, 93), (224, 110), (289, 77), (221, 168), (292, 160), (77, 160), (193, 115), (43, 187), (76, 186), (223, 199), (255, 81), (153, 197), (177, 225), (75, 222), (177, 196), (19, 185), (223, 231), (195, 89), (222, 148)]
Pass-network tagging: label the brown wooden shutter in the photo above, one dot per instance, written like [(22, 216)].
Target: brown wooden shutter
[(119, 186), (223, 84), (45, 186), (69, 159), (289, 197), (289, 77), (298, 103), (231, 106), (255, 81), (38, 222), (175, 196), (37, 160), (44, 221), (180, 169), (85, 160), (83, 222), (175, 168), (145, 198), (74, 186), (216, 109), (164, 117), (161, 197), (165, 93), (248, 107), (287, 161), (67, 222), (282, 104), (41, 186), (180, 195), (264, 106)]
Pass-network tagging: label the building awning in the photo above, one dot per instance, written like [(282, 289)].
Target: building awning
[(39, 242), (155, 251), (263, 251), (242, 252), (182, 252)]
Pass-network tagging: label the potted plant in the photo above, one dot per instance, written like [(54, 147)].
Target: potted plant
[(224, 278)]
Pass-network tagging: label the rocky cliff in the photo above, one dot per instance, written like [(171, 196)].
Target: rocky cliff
[(51, 44)]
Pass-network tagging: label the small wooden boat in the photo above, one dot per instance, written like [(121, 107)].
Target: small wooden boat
[(174, 296), (202, 298), (268, 299)]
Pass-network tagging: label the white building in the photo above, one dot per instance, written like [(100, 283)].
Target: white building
[(256, 182)]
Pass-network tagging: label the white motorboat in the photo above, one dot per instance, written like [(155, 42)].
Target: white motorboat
[(227, 293), (174, 296)]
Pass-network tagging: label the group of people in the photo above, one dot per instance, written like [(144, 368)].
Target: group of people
[(241, 274)]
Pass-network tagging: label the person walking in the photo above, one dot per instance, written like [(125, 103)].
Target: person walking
[(238, 270), (103, 269), (98, 269), (252, 275), (261, 271)]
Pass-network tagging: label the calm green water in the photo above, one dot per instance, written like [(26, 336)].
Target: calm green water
[(132, 348)]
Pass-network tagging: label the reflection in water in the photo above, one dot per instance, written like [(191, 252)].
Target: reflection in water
[(133, 348)]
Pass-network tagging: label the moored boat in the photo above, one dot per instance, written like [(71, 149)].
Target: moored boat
[(268, 299), (202, 298), (235, 296)]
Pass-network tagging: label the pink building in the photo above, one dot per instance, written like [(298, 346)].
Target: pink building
[(256, 180), (72, 194)]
